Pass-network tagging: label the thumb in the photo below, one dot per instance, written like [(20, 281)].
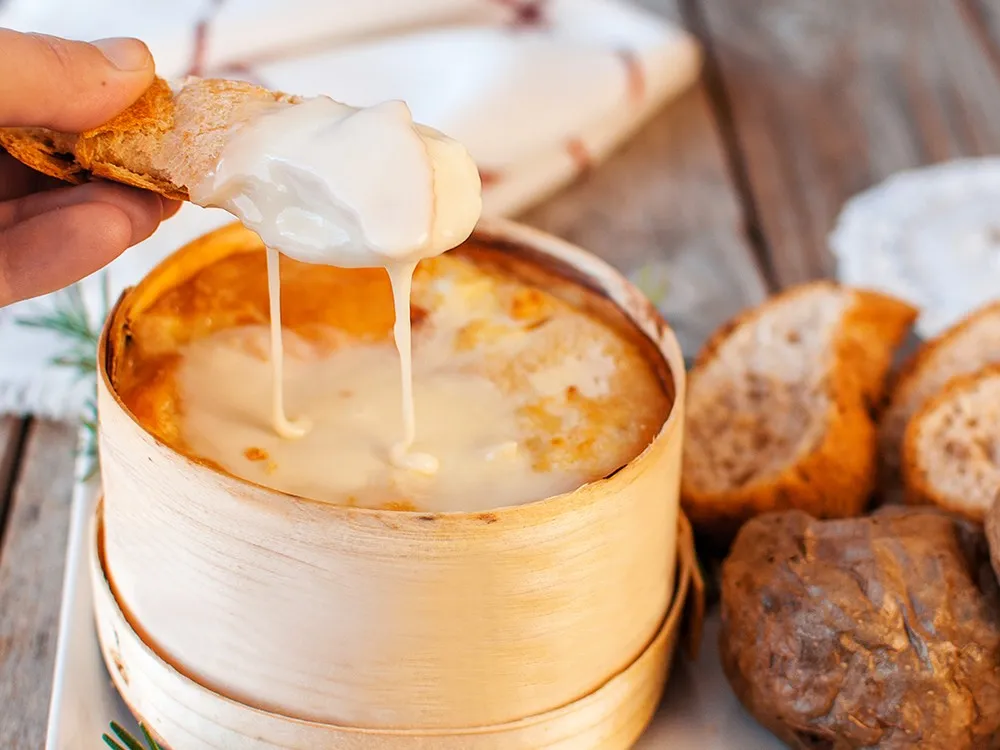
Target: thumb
[(69, 86)]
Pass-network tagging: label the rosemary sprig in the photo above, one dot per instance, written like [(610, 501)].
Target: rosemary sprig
[(70, 319), (128, 742)]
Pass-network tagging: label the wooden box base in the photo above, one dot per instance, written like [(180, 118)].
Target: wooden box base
[(187, 716)]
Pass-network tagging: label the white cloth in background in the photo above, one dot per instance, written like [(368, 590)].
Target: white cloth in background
[(537, 90)]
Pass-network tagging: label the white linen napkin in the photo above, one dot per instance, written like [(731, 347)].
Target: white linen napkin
[(537, 90)]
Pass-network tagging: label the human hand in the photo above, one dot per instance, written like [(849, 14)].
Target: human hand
[(52, 234)]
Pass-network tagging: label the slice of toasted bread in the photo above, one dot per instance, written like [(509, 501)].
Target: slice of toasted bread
[(166, 141), (963, 349), (951, 447), (779, 404)]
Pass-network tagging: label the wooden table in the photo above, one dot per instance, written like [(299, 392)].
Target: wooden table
[(802, 103)]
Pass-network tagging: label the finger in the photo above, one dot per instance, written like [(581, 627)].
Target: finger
[(69, 86), (143, 208), (17, 179), (53, 250), (170, 207)]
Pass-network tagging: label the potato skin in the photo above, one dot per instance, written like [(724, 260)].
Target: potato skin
[(991, 526), (875, 632)]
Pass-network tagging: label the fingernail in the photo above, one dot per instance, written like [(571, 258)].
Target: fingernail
[(123, 53)]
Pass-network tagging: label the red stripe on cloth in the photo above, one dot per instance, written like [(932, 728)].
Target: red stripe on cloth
[(636, 75), (527, 13), (199, 52), (489, 178), (580, 154), (200, 49)]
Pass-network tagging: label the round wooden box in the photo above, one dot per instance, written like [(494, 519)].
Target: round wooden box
[(184, 715), (385, 621)]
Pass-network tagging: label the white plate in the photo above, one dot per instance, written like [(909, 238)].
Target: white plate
[(699, 711)]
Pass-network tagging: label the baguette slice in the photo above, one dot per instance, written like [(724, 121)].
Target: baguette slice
[(963, 349), (779, 406), (951, 447), (167, 141)]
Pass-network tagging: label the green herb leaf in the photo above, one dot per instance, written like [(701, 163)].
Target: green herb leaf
[(81, 361), (131, 743), (88, 449), (153, 745), (70, 320)]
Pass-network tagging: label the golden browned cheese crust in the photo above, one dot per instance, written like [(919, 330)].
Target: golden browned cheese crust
[(332, 307), (167, 140), (834, 474)]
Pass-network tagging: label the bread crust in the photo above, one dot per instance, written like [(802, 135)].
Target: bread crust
[(893, 420), (835, 478), (916, 477), (169, 138)]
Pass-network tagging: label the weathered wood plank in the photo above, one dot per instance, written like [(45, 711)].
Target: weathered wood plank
[(828, 98), (666, 203), (31, 567), (983, 18), (11, 440)]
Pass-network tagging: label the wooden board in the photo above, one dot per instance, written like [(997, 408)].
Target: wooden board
[(11, 441), (666, 202), (665, 211), (827, 98), (31, 568)]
